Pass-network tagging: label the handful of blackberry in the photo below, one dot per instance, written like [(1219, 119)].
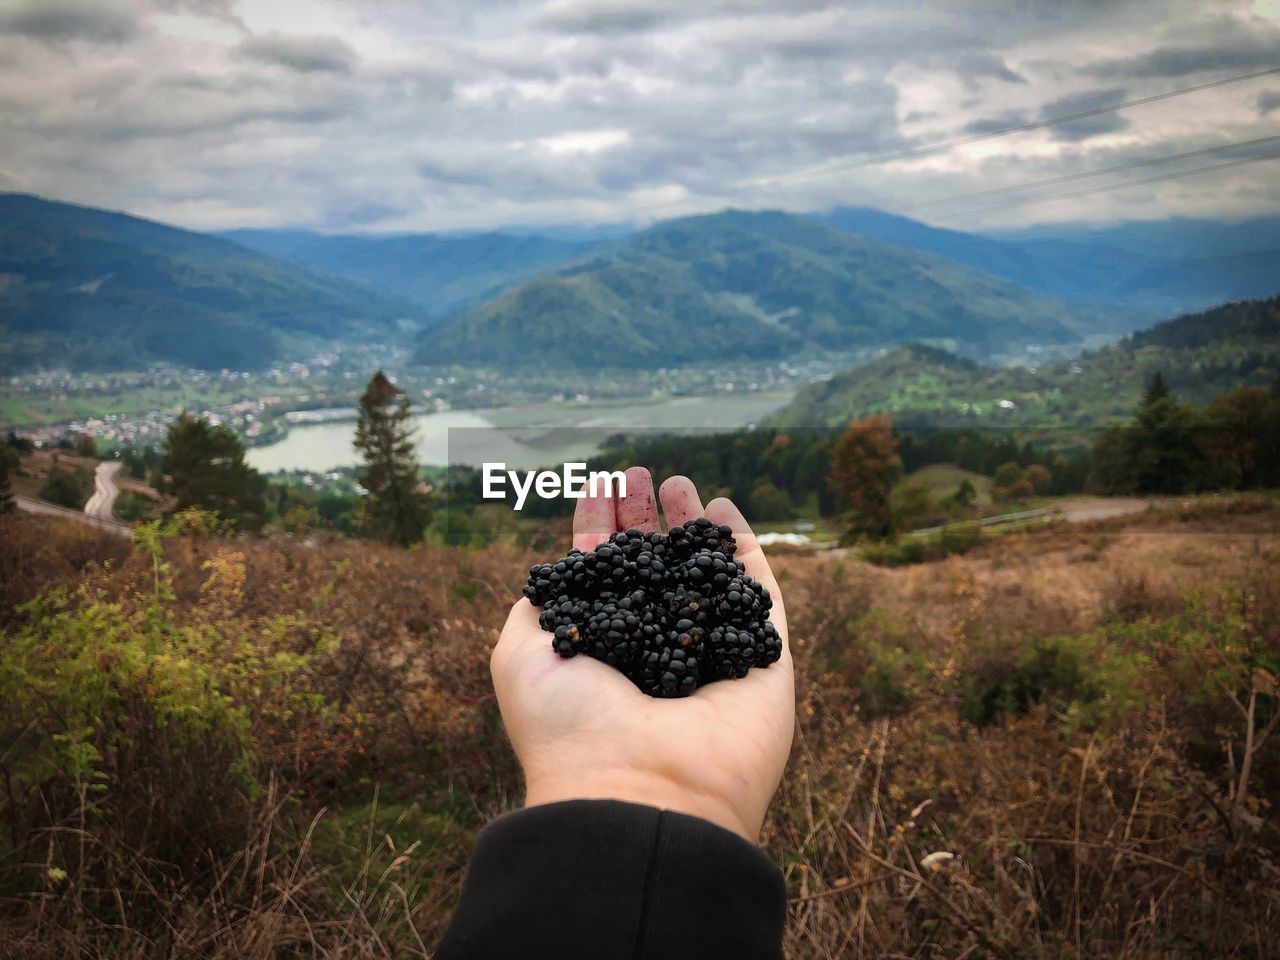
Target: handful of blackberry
[(672, 611)]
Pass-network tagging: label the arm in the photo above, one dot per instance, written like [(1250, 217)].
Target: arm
[(602, 879), (638, 834)]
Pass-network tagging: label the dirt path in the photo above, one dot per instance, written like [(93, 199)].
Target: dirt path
[(102, 503), (1103, 508)]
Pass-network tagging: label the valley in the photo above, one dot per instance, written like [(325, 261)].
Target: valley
[(713, 322)]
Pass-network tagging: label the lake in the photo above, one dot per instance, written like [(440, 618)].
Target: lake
[(529, 436)]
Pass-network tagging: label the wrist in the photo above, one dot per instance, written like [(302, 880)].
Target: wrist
[(642, 787)]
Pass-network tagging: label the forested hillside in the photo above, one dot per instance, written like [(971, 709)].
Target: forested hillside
[(1201, 356), (746, 285), (89, 289)]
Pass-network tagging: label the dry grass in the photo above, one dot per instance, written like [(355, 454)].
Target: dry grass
[(1080, 834)]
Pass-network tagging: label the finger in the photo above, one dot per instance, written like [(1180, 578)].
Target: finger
[(724, 512), (680, 501), (638, 510), (594, 519)]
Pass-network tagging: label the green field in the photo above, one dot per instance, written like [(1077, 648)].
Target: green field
[(943, 479)]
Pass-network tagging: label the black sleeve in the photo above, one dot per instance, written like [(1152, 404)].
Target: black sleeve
[(601, 879)]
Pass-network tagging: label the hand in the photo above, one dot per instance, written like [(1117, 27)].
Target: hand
[(582, 730)]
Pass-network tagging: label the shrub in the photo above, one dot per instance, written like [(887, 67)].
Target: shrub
[(1038, 477), (952, 540), (143, 730), (1006, 475), (896, 553), (67, 488), (132, 505), (1092, 678), (957, 539)]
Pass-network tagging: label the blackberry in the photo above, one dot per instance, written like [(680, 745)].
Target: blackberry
[(672, 611)]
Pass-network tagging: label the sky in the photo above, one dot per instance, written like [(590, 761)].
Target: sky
[(390, 116)]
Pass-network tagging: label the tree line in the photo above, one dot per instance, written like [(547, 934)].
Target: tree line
[(1231, 443), (778, 474)]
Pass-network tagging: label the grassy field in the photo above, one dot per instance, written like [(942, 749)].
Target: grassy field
[(941, 480), (1065, 710)]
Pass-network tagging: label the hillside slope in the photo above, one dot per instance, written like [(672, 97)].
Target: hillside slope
[(745, 285), (1201, 355), (90, 289), (440, 273)]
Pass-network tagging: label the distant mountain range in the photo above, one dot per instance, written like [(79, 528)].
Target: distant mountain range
[(439, 273), (1201, 355), (86, 289), (746, 285), (1154, 269)]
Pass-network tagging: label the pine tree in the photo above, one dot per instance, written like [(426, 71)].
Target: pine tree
[(394, 508), (204, 467), (1157, 390), (864, 465)]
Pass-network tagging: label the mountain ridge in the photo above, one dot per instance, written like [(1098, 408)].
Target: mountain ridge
[(1154, 269), (753, 285), (86, 288), (441, 273)]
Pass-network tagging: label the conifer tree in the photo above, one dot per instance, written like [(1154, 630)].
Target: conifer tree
[(204, 467), (394, 508), (1157, 390)]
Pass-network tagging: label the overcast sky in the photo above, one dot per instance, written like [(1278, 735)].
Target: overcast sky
[(381, 115)]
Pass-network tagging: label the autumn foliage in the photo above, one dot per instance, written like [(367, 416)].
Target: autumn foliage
[(1061, 744), (864, 465)]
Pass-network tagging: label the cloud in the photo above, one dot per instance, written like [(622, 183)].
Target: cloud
[(1217, 43), (304, 54), (1075, 131), (602, 17), (997, 122), (1177, 62), (987, 65), (58, 21), (394, 115)]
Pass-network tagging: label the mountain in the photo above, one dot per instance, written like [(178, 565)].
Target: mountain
[(1173, 238), (745, 285), (1201, 355), (1148, 268), (439, 272), (90, 289)]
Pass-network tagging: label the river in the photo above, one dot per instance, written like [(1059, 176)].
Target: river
[(524, 437)]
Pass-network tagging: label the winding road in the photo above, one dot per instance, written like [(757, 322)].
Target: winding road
[(98, 512), (102, 503)]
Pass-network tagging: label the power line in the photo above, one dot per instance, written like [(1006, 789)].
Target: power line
[(1018, 128), (1128, 183), (1067, 178)]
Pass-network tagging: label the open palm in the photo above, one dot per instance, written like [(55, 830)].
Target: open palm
[(582, 730)]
